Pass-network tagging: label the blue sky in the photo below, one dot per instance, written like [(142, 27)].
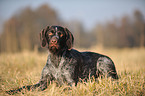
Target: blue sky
[(89, 12)]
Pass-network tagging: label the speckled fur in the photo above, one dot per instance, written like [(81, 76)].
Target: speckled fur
[(69, 65)]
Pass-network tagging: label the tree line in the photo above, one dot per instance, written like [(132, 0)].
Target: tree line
[(21, 31), (126, 32)]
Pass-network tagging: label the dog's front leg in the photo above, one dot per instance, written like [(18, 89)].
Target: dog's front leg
[(42, 85), (29, 87)]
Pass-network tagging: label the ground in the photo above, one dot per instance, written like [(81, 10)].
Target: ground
[(19, 69)]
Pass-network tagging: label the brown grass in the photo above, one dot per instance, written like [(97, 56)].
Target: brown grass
[(25, 68)]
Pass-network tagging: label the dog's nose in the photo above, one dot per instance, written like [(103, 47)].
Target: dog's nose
[(54, 40)]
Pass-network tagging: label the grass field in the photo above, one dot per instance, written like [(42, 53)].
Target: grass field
[(25, 68)]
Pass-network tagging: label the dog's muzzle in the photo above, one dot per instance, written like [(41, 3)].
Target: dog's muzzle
[(54, 42)]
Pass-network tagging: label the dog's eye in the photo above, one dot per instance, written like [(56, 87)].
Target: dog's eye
[(60, 34), (50, 33)]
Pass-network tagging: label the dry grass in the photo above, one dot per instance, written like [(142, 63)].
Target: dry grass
[(25, 68)]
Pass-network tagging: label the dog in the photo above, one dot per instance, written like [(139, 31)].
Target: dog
[(67, 65)]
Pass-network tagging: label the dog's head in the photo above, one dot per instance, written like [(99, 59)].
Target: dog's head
[(57, 38)]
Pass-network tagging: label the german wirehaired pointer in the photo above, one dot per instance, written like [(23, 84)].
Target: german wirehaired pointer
[(67, 65)]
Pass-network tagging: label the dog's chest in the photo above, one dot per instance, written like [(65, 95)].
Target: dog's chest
[(60, 70), (57, 72)]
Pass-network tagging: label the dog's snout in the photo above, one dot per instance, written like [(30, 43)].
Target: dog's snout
[(54, 40)]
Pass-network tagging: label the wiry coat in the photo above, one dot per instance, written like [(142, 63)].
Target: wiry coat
[(66, 65)]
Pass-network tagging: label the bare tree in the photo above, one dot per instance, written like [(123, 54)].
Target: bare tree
[(139, 22)]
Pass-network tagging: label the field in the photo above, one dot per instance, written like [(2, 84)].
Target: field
[(25, 68)]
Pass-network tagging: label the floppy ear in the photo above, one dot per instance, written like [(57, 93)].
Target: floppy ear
[(69, 39), (42, 38)]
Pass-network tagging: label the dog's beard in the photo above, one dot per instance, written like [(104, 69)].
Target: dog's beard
[(54, 48)]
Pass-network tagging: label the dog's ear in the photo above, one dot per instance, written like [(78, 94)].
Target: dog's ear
[(42, 38), (69, 39)]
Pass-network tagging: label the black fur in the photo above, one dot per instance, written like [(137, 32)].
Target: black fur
[(66, 65)]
